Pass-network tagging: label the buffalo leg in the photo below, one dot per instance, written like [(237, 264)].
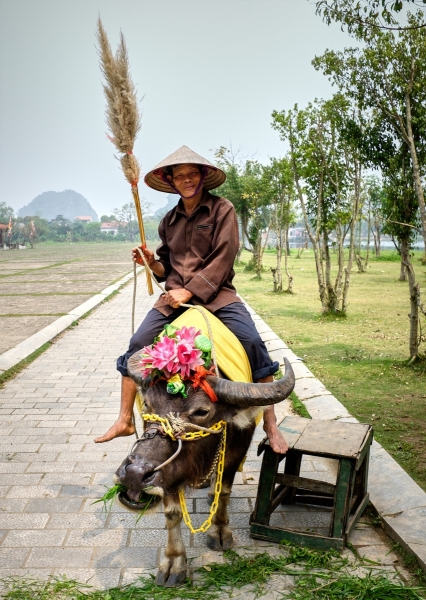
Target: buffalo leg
[(219, 536), (172, 571)]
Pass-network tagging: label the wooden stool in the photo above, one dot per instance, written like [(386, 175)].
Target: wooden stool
[(349, 444)]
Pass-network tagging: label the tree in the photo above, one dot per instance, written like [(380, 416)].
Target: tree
[(233, 188), (279, 187), (126, 215), (327, 177), (107, 219), (246, 188), (375, 200), (359, 16), (5, 212), (388, 76)]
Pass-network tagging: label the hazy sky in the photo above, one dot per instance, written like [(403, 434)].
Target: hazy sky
[(211, 72)]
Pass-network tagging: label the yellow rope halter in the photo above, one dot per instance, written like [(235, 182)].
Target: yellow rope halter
[(173, 428)]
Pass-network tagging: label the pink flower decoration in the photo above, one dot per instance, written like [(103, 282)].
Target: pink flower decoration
[(188, 357), (172, 355), (146, 362), (164, 353), (187, 334)]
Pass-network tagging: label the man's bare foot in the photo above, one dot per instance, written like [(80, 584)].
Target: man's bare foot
[(276, 438), (119, 429)]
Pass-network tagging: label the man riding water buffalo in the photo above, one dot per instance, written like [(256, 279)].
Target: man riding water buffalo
[(199, 243)]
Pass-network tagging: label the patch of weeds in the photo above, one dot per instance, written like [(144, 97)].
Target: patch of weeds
[(319, 575), (403, 450), (298, 406), (62, 588), (388, 257), (238, 571), (353, 587), (410, 562), (354, 355), (114, 293), (255, 569), (331, 315), (13, 371)]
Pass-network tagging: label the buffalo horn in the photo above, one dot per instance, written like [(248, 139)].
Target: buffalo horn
[(245, 395)]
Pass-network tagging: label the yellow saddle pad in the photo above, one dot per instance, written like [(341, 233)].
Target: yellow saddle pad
[(230, 354)]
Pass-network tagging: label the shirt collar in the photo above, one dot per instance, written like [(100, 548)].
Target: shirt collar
[(207, 200)]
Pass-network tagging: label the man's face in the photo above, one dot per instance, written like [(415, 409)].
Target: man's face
[(186, 179)]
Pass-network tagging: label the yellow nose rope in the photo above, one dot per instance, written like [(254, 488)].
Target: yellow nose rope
[(174, 427)]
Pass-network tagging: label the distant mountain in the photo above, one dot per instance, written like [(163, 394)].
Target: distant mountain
[(172, 200), (49, 205)]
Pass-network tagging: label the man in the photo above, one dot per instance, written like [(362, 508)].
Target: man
[(199, 242)]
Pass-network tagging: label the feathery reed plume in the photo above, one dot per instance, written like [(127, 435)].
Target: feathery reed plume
[(122, 115)]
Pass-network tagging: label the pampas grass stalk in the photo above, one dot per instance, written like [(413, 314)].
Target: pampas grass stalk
[(122, 115)]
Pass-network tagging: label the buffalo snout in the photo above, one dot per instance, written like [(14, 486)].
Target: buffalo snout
[(136, 472)]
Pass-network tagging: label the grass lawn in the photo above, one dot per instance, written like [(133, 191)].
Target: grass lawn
[(361, 359)]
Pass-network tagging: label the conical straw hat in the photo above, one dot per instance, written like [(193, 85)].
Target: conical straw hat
[(155, 178)]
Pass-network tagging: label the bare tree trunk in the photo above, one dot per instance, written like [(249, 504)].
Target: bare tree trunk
[(414, 290), (277, 272), (262, 248), (355, 208), (274, 278), (405, 251), (368, 239), (340, 232), (330, 289), (240, 249), (244, 231), (376, 237), (289, 276)]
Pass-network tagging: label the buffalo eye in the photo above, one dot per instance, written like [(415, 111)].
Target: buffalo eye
[(201, 412)]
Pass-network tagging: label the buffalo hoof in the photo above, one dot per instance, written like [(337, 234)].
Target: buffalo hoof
[(172, 572), (221, 541), (170, 580), (213, 543)]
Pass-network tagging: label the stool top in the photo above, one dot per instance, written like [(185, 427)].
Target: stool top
[(332, 438)]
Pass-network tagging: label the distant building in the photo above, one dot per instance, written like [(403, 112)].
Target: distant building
[(113, 227), (84, 219)]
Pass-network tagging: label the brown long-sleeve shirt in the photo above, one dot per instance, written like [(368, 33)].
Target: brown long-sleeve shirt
[(198, 252)]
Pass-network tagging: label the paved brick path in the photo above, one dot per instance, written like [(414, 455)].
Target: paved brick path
[(51, 471)]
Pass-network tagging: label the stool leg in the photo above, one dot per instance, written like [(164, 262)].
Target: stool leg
[(342, 497), (293, 462), (265, 493)]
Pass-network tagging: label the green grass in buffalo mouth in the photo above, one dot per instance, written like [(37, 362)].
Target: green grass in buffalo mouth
[(111, 493)]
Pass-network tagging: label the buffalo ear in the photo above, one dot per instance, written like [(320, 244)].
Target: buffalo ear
[(134, 371)]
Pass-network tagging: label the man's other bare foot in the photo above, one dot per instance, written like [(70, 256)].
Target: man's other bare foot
[(119, 429), (276, 438)]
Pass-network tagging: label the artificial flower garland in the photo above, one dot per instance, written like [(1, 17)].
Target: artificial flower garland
[(174, 355)]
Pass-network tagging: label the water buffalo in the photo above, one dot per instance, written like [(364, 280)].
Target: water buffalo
[(238, 405)]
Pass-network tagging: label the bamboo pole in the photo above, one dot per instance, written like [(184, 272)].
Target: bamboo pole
[(135, 192)]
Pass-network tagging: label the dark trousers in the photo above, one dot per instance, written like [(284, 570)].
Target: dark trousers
[(235, 316)]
